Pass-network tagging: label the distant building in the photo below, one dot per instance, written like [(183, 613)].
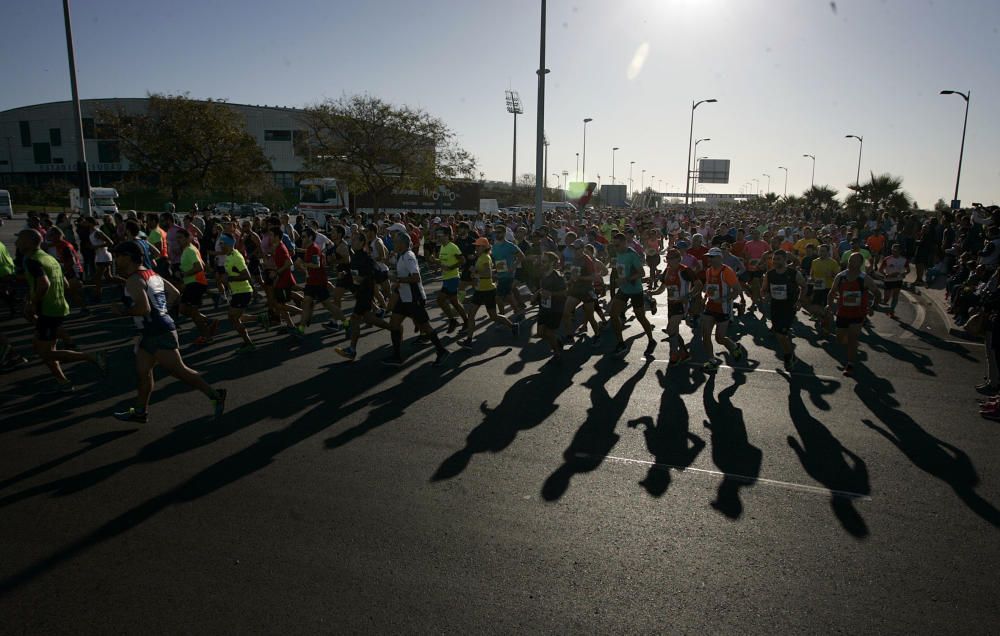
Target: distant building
[(38, 143)]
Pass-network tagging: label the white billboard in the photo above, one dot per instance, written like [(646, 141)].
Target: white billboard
[(713, 171)]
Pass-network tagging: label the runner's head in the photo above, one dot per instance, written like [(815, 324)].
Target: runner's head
[(897, 250), (855, 262), (482, 245), (779, 259), (715, 257), (228, 243), (28, 241), (128, 257), (549, 261), (401, 242), (824, 251), (357, 241), (682, 246), (673, 258), (339, 232), (620, 241), (183, 238)]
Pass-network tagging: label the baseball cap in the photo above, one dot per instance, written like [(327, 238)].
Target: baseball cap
[(715, 252), (482, 241), (436, 219), (397, 227), (227, 240), (683, 245), (578, 243)]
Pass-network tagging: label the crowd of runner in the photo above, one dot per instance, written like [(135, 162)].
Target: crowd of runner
[(580, 274)]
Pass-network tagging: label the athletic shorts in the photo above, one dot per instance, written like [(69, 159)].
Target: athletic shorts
[(416, 311), (151, 343), (466, 275), (240, 301), (193, 293), (364, 301), (843, 322), (345, 282), (254, 266), (638, 301), (504, 286), (757, 273), (781, 321), (47, 326), (676, 309), (820, 296), (893, 284), (220, 270), (718, 317), (450, 286), (381, 275), (485, 298), (549, 319), (745, 277), (584, 293), (318, 293), (282, 294), (268, 277)]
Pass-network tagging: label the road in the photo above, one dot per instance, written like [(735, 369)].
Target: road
[(503, 492)]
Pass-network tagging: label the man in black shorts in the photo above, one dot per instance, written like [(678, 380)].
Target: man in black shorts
[(362, 283), (411, 302), (681, 285), (784, 287), (551, 298)]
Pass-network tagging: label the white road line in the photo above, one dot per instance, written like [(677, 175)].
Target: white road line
[(920, 319), (762, 480)]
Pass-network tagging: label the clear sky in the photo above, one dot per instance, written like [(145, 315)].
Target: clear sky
[(791, 76)]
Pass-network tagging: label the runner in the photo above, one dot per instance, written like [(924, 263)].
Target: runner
[(316, 290), (283, 279), (852, 292), (450, 257), (783, 288), (630, 273), (342, 263), (551, 297), (485, 294), (581, 292), (754, 251), (894, 268), (148, 296), (46, 308), (192, 270), (681, 285), (72, 268), (822, 271), (100, 242), (237, 276), (361, 282), (411, 303), (507, 258), (721, 284)]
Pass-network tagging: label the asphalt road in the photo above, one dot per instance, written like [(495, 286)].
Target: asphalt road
[(502, 492)]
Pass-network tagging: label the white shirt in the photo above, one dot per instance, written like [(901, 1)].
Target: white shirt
[(406, 265)]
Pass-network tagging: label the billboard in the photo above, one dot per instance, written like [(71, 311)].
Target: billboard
[(446, 197), (614, 195), (713, 171)]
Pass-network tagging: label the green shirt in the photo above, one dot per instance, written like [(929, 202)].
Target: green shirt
[(6, 262), (450, 256), (40, 264), (628, 263), (189, 258), (484, 270), (236, 265), (847, 255)]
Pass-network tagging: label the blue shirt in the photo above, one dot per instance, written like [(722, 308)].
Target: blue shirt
[(628, 263), (504, 251)]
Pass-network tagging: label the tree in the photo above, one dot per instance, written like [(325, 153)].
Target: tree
[(190, 146), (821, 198), (377, 147), (941, 206), (882, 193)]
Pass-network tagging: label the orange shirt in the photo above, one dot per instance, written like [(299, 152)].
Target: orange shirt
[(875, 243), (718, 283)]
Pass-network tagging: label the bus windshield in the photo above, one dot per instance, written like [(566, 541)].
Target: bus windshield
[(312, 194)]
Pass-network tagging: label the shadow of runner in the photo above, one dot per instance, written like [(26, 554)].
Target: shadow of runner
[(824, 458), (669, 440), (939, 343), (732, 451), (93, 442), (596, 436), (879, 344), (928, 453)]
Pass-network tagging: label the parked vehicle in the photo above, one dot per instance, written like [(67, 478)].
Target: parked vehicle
[(6, 207), (102, 201), (320, 197)]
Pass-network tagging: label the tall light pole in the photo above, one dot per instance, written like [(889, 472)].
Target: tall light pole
[(585, 122), (556, 175), (695, 167), (687, 159), (861, 145), (652, 182), (812, 182), (545, 141), (540, 126), (786, 178), (514, 107), (955, 203), (768, 191), (613, 150), (577, 166), (630, 164), (756, 186), (565, 174), (81, 146), (642, 181)]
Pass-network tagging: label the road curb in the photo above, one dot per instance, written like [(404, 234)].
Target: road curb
[(937, 298)]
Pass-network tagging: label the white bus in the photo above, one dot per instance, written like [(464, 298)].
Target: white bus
[(6, 207), (320, 197), (102, 201)]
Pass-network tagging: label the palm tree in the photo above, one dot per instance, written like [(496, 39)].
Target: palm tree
[(883, 193), (821, 198)]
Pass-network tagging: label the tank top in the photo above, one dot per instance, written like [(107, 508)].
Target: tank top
[(678, 286), (853, 296), (783, 287), (158, 320)]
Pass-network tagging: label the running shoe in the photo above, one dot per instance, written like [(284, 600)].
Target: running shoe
[(392, 361), (683, 356), (332, 326), (994, 416), (466, 344), (347, 352), (101, 360), (219, 403), (790, 361), (132, 415), (63, 387), (301, 330), (739, 353), (674, 359), (247, 348), (849, 371)]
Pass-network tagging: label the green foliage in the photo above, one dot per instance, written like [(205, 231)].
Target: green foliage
[(882, 193), (821, 198)]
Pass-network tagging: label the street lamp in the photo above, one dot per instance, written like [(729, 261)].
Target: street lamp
[(861, 145), (81, 146), (642, 181), (652, 182), (545, 169), (515, 108), (955, 204), (786, 178), (630, 164), (585, 122), (613, 163), (687, 159), (812, 182), (565, 174), (577, 166), (768, 191), (556, 175), (757, 186)]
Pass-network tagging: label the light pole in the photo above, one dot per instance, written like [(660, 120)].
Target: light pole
[(556, 175), (81, 146), (768, 191), (687, 159), (756, 186), (565, 174), (514, 107), (613, 150), (577, 166), (540, 125), (786, 179), (812, 182), (652, 182), (642, 181), (955, 203), (545, 141), (695, 168), (630, 164), (861, 145), (585, 122)]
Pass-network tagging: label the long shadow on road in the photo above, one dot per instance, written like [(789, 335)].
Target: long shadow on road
[(732, 452)]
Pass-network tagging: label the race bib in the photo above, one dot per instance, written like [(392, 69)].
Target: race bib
[(852, 299), (574, 271), (622, 270), (712, 291), (501, 266), (818, 284), (652, 251), (779, 292), (356, 277), (754, 263), (546, 300), (673, 292)]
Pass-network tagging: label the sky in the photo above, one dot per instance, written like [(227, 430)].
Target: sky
[(790, 76)]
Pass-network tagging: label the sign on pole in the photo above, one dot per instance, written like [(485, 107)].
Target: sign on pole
[(713, 171)]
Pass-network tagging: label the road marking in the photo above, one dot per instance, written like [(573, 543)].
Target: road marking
[(762, 480), (920, 319), (757, 369)]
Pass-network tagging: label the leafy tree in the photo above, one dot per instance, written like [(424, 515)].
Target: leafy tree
[(821, 198), (882, 193), (190, 146), (377, 147), (941, 206)]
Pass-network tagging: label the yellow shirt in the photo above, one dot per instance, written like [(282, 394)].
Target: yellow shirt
[(450, 257), (822, 273), (484, 270), (802, 244)]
